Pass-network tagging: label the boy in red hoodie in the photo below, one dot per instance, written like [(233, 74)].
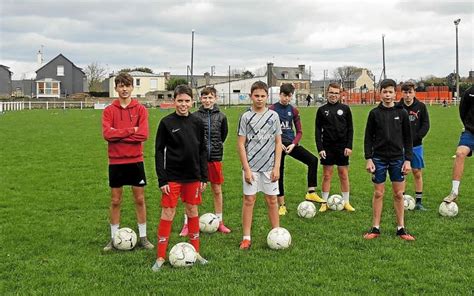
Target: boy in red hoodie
[(125, 128)]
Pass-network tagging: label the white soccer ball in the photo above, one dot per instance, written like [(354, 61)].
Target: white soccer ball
[(182, 255), (306, 209), (279, 238), (335, 202), (125, 239), (408, 202), (448, 209), (208, 223)]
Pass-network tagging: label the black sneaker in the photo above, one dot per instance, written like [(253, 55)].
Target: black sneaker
[(405, 235), (373, 233)]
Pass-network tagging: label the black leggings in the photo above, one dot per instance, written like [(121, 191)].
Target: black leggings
[(304, 156)]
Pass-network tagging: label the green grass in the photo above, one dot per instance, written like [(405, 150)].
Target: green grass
[(54, 201)]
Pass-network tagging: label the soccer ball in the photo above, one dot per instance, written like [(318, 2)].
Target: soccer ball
[(335, 202), (208, 223), (306, 209), (408, 202), (125, 239), (448, 209), (279, 238), (182, 255)]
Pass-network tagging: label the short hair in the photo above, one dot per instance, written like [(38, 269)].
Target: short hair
[(208, 90), (259, 85), (183, 89), (124, 78), (287, 89), (334, 85), (408, 85), (387, 83)]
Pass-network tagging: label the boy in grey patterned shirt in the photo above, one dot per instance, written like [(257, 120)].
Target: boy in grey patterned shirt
[(259, 145)]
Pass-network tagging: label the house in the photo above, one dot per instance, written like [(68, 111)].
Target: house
[(359, 81), (59, 78), (298, 76), (5, 81), (143, 83), (23, 88), (207, 79)]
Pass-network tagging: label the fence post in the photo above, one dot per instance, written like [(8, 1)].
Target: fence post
[(47, 105), (29, 105), (81, 105), (64, 105), (1, 107)]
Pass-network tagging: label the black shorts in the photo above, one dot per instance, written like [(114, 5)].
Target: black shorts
[(335, 156), (127, 174)]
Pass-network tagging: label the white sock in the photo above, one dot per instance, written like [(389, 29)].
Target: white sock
[(142, 229), (113, 229), (325, 195), (219, 215), (345, 195), (246, 237), (376, 226), (185, 219), (399, 227), (456, 186)]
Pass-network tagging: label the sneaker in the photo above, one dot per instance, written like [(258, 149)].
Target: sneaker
[(405, 235), (245, 244), (109, 246), (222, 228), (313, 197), (184, 231), (158, 264), (348, 207), (323, 208), (145, 243), (201, 260), (420, 207), (282, 211), (373, 233), (451, 197)]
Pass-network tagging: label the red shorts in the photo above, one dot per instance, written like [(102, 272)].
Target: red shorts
[(214, 172), (190, 193)]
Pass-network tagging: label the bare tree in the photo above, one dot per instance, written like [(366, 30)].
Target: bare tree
[(95, 75), (343, 73)]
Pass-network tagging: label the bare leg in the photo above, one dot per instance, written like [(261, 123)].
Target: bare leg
[(377, 203), (140, 206), (272, 207), (247, 213), (115, 202)]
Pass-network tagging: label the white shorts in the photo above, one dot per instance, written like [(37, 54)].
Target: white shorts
[(261, 182)]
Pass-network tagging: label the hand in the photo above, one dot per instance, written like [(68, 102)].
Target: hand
[(370, 166), (203, 186), (406, 168), (248, 176), (283, 148), (135, 128), (347, 152), (289, 148), (165, 189), (322, 154), (275, 174)]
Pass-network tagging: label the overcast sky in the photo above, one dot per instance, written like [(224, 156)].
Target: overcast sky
[(419, 35)]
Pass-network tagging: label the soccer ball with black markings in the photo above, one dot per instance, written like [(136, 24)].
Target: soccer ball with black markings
[(448, 209), (408, 202), (336, 202), (125, 239), (279, 238), (208, 223), (306, 209), (182, 255)]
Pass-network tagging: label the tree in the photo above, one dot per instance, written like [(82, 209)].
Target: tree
[(247, 74), (141, 69), (95, 74), (173, 82), (343, 73)]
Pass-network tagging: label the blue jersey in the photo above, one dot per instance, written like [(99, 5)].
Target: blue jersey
[(289, 117)]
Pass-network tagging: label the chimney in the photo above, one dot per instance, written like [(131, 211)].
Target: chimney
[(270, 74), (301, 67), (167, 75), (39, 58), (207, 77)]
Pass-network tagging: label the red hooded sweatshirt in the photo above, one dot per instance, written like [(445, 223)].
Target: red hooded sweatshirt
[(125, 145)]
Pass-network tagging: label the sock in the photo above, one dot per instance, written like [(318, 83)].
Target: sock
[(193, 227), (164, 230), (418, 196), (456, 187), (113, 229), (246, 237), (311, 191), (325, 195), (142, 229), (185, 219), (399, 227), (345, 195), (219, 215), (376, 226)]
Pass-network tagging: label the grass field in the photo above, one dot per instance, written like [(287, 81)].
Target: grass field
[(54, 200)]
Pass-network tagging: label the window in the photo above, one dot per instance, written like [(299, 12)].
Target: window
[(153, 83), (139, 96), (236, 91), (48, 88), (60, 70), (137, 82)]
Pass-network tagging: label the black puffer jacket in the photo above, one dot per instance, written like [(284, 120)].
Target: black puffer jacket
[(216, 129)]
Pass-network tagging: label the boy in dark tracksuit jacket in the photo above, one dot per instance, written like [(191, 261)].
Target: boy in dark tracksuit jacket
[(420, 125), (215, 133), (466, 142), (334, 133), (388, 147)]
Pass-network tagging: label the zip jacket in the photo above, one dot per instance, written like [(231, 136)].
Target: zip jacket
[(466, 110), (419, 120), (333, 126), (215, 131)]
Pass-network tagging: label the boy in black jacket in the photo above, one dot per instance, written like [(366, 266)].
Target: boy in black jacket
[(181, 166), (420, 125), (388, 147), (466, 141)]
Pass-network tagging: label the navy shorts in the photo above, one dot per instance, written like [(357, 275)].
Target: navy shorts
[(417, 161), (394, 168), (127, 174), (467, 139), (335, 156)]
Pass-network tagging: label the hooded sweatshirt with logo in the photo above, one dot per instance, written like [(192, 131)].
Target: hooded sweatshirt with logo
[(466, 110), (419, 120), (125, 145)]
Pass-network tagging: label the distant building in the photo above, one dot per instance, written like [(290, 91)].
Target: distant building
[(23, 88), (298, 76), (359, 81), (5, 81), (143, 83)]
